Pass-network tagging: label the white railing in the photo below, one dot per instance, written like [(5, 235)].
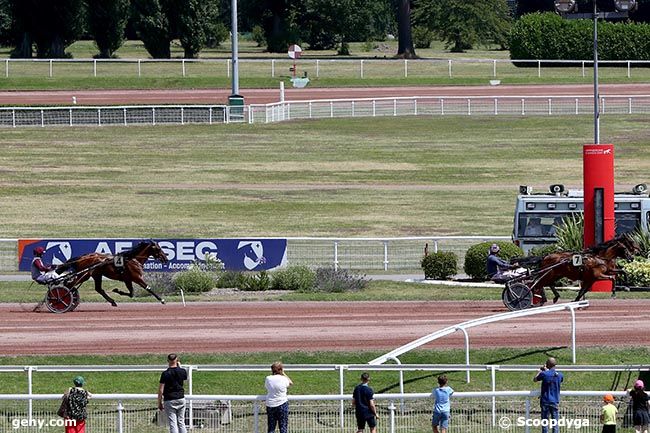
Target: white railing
[(120, 115), (471, 411), (320, 68), (381, 253), (446, 106)]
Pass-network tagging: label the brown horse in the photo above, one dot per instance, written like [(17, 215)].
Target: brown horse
[(126, 267), (598, 263)]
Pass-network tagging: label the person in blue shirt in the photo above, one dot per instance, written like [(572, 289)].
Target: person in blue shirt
[(549, 398), (363, 400), (441, 406), (498, 269)]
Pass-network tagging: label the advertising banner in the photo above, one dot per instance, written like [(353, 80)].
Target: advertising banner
[(236, 254)]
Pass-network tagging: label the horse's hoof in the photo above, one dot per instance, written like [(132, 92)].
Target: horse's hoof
[(114, 304), (555, 298), (162, 301), (116, 291)]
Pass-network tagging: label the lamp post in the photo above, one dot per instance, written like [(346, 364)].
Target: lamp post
[(568, 9), (235, 100)]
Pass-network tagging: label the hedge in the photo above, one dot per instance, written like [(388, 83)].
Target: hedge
[(440, 265), (476, 257), (548, 36)]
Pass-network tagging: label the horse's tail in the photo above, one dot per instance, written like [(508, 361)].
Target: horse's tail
[(528, 262)]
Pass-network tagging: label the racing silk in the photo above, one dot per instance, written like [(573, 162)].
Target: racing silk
[(38, 268), (495, 264)]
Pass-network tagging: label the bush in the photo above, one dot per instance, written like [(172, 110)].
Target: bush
[(161, 282), (231, 280), (257, 34), (422, 37), (543, 250), (476, 256), (194, 280), (570, 235), (337, 281), (299, 278), (637, 272), (256, 282), (440, 265), (642, 237)]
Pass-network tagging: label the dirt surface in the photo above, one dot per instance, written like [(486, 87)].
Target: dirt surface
[(263, 96), (288, 326)]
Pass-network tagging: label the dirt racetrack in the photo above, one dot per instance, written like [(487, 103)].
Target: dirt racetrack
[(264, 96), (308, 326)]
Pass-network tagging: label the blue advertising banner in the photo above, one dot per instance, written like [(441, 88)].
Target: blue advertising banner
[(236, 254)]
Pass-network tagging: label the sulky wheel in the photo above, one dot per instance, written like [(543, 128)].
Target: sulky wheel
[(60, 299), (517, 296), (75, 299)]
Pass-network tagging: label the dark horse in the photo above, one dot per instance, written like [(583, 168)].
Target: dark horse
[(598, 263), (125, 266)]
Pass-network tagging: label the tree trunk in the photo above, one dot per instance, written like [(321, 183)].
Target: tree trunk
[(23, 48), (405, 47)]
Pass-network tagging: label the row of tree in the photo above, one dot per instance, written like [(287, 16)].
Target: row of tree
[(45, 28)]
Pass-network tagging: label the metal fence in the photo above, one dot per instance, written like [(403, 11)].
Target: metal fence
[(448, 105), (324, 68), (378, 254), (512, 411)]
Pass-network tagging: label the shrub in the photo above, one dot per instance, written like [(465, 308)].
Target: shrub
[(257, 34), (543, 250), (637, 272), (440, 265), (256, 282), (194, 280), (476, 256), (422, 37), (570, 235), (338, 280), (299, 278), (642, 238), (161, 283), (231, 280)]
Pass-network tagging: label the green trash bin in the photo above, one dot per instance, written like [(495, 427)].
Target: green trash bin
[(236, 104)]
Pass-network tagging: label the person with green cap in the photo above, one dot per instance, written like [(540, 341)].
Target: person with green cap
[(76, 400)]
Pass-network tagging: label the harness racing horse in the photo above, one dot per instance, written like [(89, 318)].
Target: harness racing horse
[(126, 267), (598, 263)]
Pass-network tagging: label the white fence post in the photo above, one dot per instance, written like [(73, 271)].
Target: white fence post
[(341, 390), (30, 391), (7, 68), (406, 68), (361, 68), (228, 68), (449, 68), (51, 68), (120, 417), (94, 67), (629, 73), (539, 69), (385, 255), (493, 376), (139, 68), (494, 68), (336, 255), (317, 68), (392, 408), (273, 68), (183, 67)]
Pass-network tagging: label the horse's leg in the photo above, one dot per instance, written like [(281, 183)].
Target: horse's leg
[(142, 283), (556, 294), (129, 286), (98, 289)]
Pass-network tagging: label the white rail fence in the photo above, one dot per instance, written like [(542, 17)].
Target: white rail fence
[(319, 68), (516, 411), (446, 106), (387, 254)]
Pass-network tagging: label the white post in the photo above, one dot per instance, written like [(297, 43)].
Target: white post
[(256, 417), (336, 255), (496, 107), (583, 69), (374, 108), (139, 68), (99, 117), (281, 91), (523, 107), (469, 107), (228, 68), (394, 107), (183, 67), (385, 255), (50, 68), (449, 68), (13, 117), (120, 417), (182, 116), (125, 117), (153, 116), (210, 116), (7, 68), (273, 68), (361, 67), (189, 369), (317, 68), (391, 407), (629, 105), (467, 374), (435, 246), (577, 107), (406, 68), (539, 69), (401, 379), (549, 107), (415, 107), (70, 113), (573, 335), (341, 390), (331, 109), (494, 68), (442, 107), (352, 108), (493, 376), (628, 69), (310, 105), (29, 391), (94, 67), (42, 119)]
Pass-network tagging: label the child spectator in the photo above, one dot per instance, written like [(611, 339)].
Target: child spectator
[(608, 415), (441, 406), (640, 413)]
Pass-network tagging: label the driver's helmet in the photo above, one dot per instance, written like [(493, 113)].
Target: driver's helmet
[(39, 251), (494, 248)]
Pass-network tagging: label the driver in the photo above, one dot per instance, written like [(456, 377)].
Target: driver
[(40, 273), (499, 270)]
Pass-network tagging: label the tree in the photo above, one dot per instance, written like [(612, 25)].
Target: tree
[(152, 24), (106, 23), (6, 23), (279, 19), (405, 47), (194, 21), (333, 23), (463, 24), (56, 25)]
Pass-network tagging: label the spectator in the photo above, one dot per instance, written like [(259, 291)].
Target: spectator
[(277, 403), (608, 415), (550, 395), (76, 401), (363, 400), (40, 273), (442, 406), (534, 227), (171, 390), (640, 413)]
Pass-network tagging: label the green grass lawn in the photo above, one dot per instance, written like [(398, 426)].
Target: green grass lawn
[(327, 382), (341, 177)]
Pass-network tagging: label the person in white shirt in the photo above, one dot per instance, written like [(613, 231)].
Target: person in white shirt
[(277, 403)]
